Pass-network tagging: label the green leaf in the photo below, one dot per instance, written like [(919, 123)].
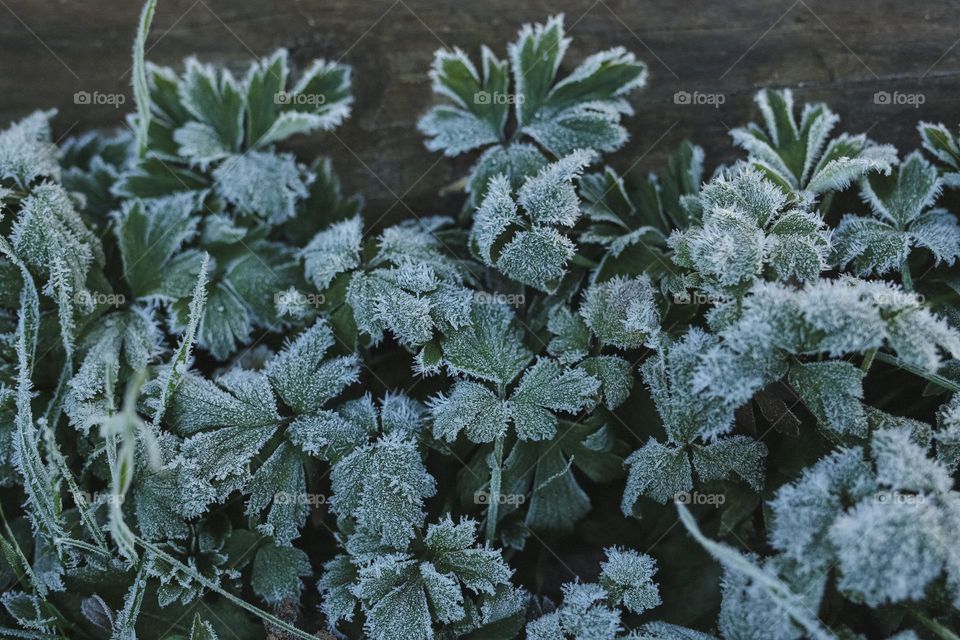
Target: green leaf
[(383, 486), (277, 572), (535, 58), (27, 151), (657, 471), (740, 455), (472, 408), (301, 376), (490, 348), (627, 577), (833, 392), (544, 388), (280, 484), (213, 97), (151, 236), (261, 184), (622, 312)]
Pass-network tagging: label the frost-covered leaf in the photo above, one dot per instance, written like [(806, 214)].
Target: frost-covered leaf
[(627, 577), (581, 111), (584, 614), (277, 572), (27, 151), (546, 387), (383, 486), (748, 225), (938, 140), (277, 109), (622, 312), (799, 156), (571, 341), (51, 237), (302, 376), (908, 533), (524, 238), (671, 377), (416, 594), (470, 407), (490, 348), (550, 196), (333, 251), (262, 185), (804, 510), (657, 471), (279, 484), (902, 220), (151, 236), (833, 392), (739, 455), (615, 375)]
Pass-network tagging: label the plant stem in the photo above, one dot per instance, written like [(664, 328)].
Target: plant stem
[(496, 477), (933, 626), (905, 278), (213, 586), (28, 578), (946, 383), (868, 360)]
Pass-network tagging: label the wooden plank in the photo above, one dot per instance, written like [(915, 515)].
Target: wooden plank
[(843, 53)]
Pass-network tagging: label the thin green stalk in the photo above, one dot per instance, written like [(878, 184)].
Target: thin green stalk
[(213, 586), (946, 383), (141, 90), (496, 479), (933, 626), (28, 574), (825, 204), (868, 360), (905, 278)]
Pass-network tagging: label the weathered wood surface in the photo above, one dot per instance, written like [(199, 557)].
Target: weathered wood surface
[(838, 51)]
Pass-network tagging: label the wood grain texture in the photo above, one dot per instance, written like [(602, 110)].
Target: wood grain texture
[(840, 52)]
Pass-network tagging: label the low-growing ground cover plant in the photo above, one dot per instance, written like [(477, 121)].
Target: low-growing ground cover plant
[(720, 402)]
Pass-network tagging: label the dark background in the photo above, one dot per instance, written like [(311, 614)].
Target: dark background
[(838, 51)]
